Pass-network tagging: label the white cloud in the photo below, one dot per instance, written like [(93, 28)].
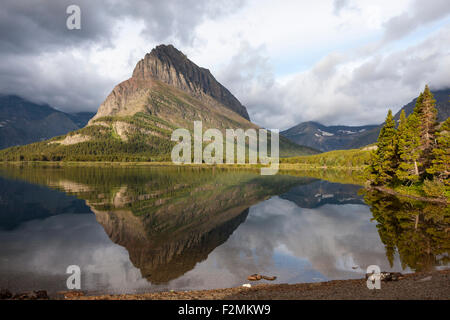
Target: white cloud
[(360, 91), (39, 251), (75, 70), (348, 86), (342, 89), (420, 13), (334, 61)]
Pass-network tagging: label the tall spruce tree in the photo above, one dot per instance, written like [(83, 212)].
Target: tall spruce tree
[(441, 153), (408, 142), (401, 133), (384, 162), (426, 112)]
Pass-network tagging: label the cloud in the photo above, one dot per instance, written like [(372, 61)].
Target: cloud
[(250, 77), (339, 5), (279, 229), (39, 251), (331, 61), (74, 70), (62, 80), (360, 91), (341, 88), (165, 19), (41, 26), (29, 28), (419, 14)]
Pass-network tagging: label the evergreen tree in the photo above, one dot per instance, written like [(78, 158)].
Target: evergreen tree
[(416, 150), (408, 141), (384, 162), (441, 153), (401, 134), (426, 112)]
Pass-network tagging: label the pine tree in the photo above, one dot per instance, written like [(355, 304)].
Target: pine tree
[(384, 162), (441, 153), (408, 141), (426, 112), (401, 134)]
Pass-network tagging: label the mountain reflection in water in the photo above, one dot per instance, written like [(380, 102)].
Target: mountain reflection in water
[(187, 228)]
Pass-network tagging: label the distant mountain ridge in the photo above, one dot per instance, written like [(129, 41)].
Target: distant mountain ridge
[(328, 138), (81, 119), (442, 98), (23, 122)]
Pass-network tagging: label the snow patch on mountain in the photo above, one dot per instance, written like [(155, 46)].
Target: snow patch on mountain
[(325, 134)]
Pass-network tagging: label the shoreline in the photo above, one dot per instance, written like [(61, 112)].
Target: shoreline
[(282, 165), (399, 194), (415, 286), (284, 168)]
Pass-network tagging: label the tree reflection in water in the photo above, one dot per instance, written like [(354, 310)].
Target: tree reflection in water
[(418, 231)]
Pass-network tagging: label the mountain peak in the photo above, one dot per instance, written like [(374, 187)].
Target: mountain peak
[(167, 64), (168, 51)]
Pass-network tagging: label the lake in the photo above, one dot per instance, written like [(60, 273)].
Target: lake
[(146, 229)]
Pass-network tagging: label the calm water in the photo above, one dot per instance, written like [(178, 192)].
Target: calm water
[(142, 229)]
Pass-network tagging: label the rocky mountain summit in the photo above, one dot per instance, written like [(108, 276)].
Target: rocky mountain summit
[(170, 66)]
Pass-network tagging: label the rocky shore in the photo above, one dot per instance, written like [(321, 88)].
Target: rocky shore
[(416, 286)]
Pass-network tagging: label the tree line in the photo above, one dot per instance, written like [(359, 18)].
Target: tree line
[(416, 150)]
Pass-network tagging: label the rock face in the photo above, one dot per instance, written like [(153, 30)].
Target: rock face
[(72, 139), (170, 66)]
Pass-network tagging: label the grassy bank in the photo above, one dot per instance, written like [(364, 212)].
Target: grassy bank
[(356, 158), (282, 166), (419, 192), (338, 174)]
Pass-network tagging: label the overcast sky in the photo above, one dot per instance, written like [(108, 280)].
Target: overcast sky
[(332, 61)]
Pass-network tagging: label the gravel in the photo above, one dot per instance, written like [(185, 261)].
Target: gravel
[(417, 286)]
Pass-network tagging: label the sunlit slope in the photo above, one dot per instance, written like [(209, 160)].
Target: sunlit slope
[(142, 134)]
